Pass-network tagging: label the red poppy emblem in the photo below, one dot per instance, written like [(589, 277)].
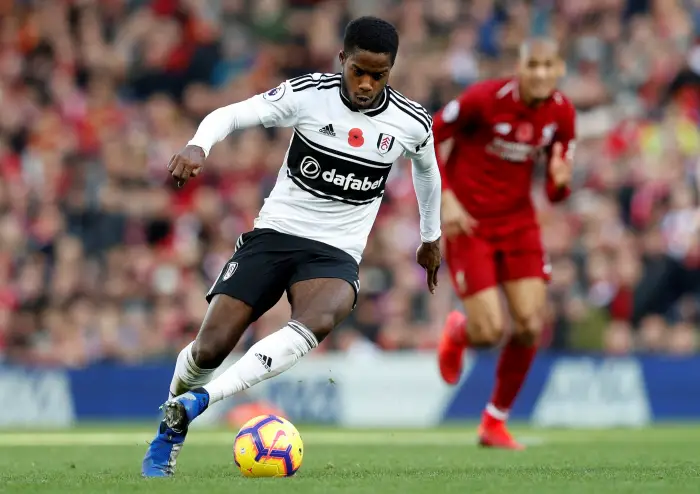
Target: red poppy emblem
[(355, 138)]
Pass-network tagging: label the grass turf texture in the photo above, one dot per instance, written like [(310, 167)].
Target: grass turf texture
[(408, 462)]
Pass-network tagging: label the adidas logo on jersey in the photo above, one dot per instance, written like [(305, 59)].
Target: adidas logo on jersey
[(327, 130), (265, 360)]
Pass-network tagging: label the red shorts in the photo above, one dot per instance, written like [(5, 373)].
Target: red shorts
[(477, 263)]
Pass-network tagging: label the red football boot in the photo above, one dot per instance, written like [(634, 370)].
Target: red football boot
[(451, 348), (493, 433)]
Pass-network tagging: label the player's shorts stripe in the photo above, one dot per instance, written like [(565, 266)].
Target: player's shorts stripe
[(411, 104), (424, 121), (339, 154), (314, 192)]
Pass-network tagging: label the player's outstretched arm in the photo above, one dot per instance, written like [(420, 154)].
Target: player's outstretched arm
[(214, 128), (275, 108), (221, 122), (426, 181)]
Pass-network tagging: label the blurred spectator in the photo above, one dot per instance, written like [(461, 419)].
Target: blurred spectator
[(102, 259)]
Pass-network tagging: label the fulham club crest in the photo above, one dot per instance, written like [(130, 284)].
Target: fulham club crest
[(385, 143), (230, 269)]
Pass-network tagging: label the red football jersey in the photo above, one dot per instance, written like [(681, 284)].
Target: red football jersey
[(497, 140)]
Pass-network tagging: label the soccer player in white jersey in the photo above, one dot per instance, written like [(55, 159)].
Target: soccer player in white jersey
[(349, 129)]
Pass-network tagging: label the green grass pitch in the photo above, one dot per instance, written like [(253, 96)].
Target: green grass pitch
[(107, 460)]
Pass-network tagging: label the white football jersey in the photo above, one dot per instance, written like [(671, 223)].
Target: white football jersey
[(332, 181)]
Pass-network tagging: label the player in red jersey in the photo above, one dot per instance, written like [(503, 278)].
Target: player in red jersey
[(500, 129)]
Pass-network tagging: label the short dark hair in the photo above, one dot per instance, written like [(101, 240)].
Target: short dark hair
[(371, 34)]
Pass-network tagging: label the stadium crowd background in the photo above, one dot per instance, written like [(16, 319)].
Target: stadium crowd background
[(101, 258)]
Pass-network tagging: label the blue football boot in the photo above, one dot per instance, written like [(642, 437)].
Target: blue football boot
[(179, 412)]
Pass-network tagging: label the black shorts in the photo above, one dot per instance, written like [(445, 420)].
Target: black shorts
[(267, 262)]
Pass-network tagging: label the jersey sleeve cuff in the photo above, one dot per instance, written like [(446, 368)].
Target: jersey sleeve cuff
[(429, 238), (202, 146)]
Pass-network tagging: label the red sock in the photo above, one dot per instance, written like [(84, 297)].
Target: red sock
[(513, 366)]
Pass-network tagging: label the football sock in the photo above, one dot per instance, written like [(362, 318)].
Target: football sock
[(513, 365), (269, 357), (187, 374)]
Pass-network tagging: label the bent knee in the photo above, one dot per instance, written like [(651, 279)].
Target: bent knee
[(528, 328), (485, 333)]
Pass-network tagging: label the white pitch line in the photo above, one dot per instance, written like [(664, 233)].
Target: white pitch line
[(340, 437), (210, 438)]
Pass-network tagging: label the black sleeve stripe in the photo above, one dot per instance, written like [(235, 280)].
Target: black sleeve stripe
[(306, 79), (399, 98), (421, 119), (423, 144), (317, 86), (322, 83), (419, 115), (305, 86), (414, 105), (329, 85), (411, 104), (300, 80)]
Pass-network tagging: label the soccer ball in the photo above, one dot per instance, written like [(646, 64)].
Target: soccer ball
[(268, 446)]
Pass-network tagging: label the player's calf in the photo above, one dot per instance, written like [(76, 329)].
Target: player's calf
[(526, 299), (485, 326), (224, 324)]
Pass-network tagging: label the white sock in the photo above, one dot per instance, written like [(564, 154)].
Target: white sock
[(269, 357), (187, 374), (496, 413)]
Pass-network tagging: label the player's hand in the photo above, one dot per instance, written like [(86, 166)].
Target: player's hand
[(560, 166), (186, 164), (428, 255), (455, 219)]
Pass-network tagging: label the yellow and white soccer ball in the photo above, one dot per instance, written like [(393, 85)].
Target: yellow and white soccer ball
[(268, 446)]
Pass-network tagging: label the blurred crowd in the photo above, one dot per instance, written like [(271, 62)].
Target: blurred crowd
[(101, 258)]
